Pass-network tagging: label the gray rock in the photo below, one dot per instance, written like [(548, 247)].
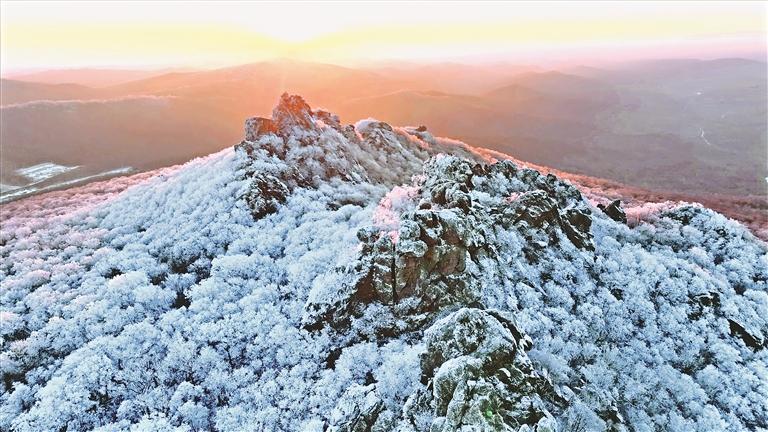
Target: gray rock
[(538, 211), (751, 336), (436, 259)]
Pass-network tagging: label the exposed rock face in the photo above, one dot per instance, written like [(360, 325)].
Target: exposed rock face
[(614, 211), (477, 376), (291, 112), (428, 261), (433, 259), (358, 410), (293, 127), (753, 338), (255, 127), (538, 211)]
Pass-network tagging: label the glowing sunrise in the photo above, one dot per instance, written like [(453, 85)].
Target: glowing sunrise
[(76, 34)]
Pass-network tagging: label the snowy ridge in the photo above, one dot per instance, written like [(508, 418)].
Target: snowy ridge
[(323, 276)]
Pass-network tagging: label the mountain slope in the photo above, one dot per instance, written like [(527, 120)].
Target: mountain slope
[(329, 277), (16, 92), (103, 135), (88, 77)]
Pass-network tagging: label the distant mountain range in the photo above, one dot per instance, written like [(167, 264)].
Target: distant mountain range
[(676, 126), (90, 77)]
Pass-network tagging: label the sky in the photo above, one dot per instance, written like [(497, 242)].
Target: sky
[(61, 34)]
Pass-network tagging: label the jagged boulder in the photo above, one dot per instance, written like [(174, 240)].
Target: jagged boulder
[(448, 182), (752, 336), (576, 224), (428, 261), (614, 211), (291, 116), (300, 148), (486, 334), (476, 376), (376, 134), (534, 210), (328, 118), (538, 212)]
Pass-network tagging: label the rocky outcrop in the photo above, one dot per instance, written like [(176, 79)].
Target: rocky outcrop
[(752, 337), (429, 260), (358, 410), (537, 211), (256, 127), (292, 113), (433, 257), (432, 260), (481, 377), (265, 194), (299, 147), (277, 138), (476, 376)]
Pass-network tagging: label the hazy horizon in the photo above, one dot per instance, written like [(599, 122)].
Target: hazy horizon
[(52, 35), (386, 63)]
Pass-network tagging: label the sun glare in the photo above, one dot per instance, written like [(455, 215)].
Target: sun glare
[(78, 34)]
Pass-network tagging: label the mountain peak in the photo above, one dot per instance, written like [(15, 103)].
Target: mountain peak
[(292, 110), (315, 147)]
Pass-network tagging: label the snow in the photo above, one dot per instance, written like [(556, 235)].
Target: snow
[(17, 192), (43, 171), (399, 200), (7, 188)]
